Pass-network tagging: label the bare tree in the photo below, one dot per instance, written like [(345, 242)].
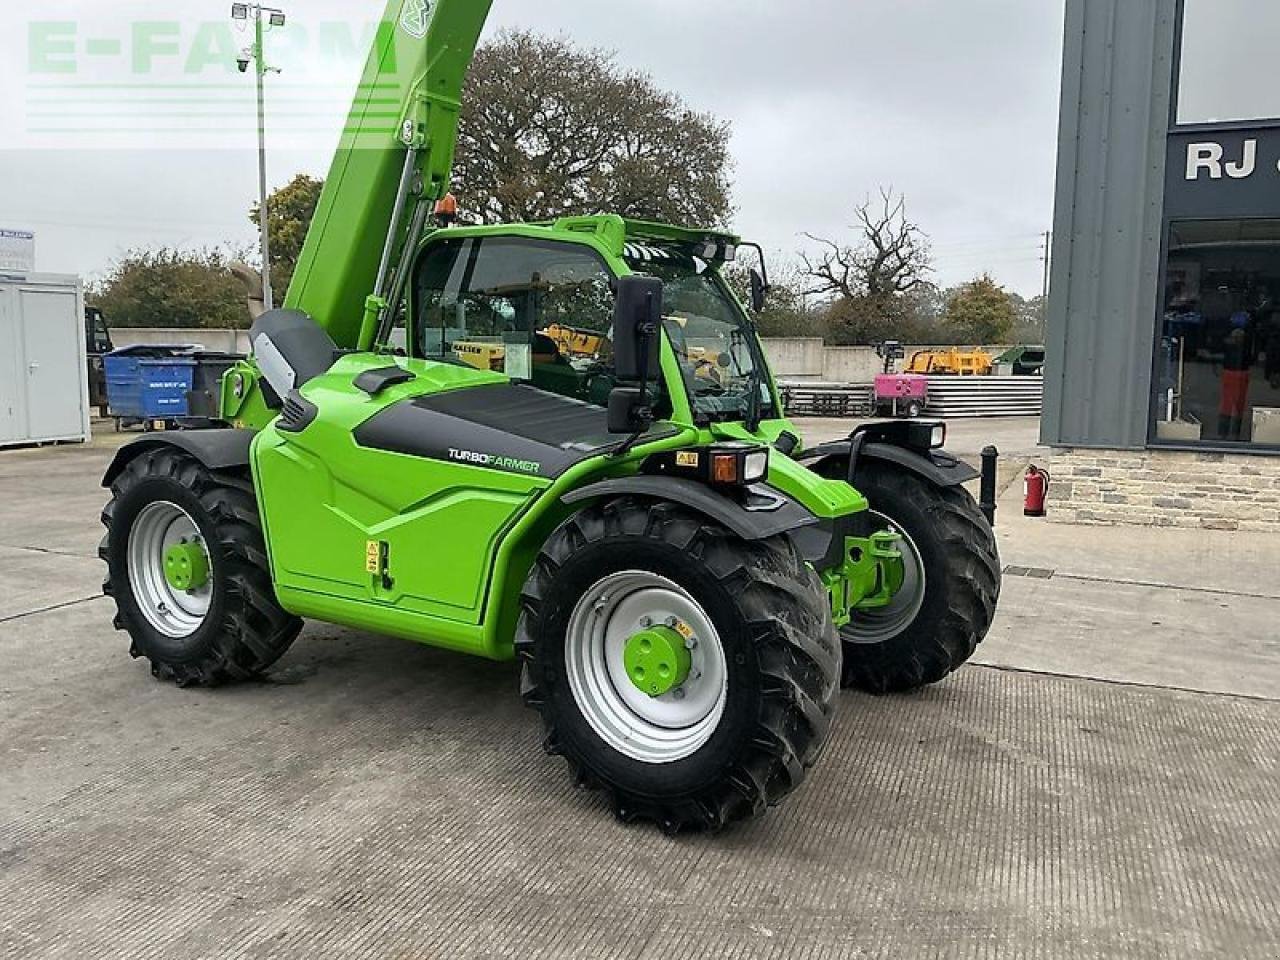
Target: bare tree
[(890, 257)]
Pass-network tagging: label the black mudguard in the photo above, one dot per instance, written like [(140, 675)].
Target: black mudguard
[(215, 449), (758, 514), (939, 468), (899, 444)]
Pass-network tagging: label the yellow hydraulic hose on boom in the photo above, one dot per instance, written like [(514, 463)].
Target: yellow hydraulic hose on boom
[(392, 165)]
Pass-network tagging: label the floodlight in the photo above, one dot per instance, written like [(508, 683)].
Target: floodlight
[(239, 11), (277, 19)]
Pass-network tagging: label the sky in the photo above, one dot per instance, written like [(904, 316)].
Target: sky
[(121, 129)]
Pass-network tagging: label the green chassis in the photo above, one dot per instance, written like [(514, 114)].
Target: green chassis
[(437, 552)]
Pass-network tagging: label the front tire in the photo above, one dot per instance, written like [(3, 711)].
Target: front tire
[(229, 627), (950, 591), (761, 685)]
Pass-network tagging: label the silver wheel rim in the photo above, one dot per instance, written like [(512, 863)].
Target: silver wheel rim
[(877, 626), (653, 730), (175, 613)]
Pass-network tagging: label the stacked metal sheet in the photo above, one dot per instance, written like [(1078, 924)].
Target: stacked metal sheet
[(958, 397), (827, 399)]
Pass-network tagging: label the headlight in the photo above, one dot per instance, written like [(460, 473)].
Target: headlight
[(730, 464), (938, 438), (739, 465)]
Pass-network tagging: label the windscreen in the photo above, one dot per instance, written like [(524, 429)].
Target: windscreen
[(713, 338)]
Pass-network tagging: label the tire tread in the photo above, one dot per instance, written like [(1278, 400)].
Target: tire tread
[(255, 631), (971, 561), (790, 628)]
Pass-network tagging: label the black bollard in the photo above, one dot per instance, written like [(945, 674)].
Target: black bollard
[(987, 499)]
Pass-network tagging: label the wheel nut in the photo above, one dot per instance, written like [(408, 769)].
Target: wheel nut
[(678, 693), (691, 643), (672, 622), (646, 622)]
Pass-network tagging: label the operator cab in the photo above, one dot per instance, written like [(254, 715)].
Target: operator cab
[(541, 312)]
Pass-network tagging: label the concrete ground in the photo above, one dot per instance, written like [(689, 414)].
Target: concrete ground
[(1102, 783)]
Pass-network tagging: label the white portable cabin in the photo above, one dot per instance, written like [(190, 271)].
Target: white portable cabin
[(44, 372)]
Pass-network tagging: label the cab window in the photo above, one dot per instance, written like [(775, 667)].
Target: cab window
[(538, 311)]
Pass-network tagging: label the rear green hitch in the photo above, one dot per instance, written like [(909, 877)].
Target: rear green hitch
[(889, 562), (186, 567), (870, 577)]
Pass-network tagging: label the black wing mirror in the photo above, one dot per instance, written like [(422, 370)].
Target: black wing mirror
[(759, 291), (637, 320), (637, 354)]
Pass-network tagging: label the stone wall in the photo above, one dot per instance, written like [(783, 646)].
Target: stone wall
[(809, 359), (223, 341), (796, 357), (1166, 488)]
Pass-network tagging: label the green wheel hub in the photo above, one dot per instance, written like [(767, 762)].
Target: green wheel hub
[(657, 661), (186, 567)]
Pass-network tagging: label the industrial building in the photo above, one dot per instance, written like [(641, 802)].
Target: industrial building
[(1162, 392)]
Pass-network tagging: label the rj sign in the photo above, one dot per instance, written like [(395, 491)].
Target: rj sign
[(1209, 158), (1223, 174)]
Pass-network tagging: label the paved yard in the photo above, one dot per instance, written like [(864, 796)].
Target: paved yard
[(1103, 784)]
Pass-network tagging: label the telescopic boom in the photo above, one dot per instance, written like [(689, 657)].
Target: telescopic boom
[(392, 165)]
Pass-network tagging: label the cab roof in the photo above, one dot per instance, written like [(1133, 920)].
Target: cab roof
[(614, 232), (617, 232)]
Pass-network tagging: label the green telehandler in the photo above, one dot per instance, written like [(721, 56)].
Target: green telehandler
[(685, 585)]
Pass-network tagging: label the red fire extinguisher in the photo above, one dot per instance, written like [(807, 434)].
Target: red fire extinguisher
[(1037, 492)]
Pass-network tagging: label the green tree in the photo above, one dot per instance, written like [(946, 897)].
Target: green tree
[(551, 130), (786, 311), (867, 319), (289, 213), (1032, 319), (982, 312), (173, 289)]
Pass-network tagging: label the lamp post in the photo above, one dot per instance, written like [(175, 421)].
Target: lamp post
[(255, 55)]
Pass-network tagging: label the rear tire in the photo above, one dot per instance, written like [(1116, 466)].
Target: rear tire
[(233, 629), (936, 626), (775, 643)]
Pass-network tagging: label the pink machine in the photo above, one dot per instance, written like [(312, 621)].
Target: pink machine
[(899, 394), (902, 394)]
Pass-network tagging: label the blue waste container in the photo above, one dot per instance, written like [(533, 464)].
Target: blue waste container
[(125, 377), (165, 386), (173, 385)]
